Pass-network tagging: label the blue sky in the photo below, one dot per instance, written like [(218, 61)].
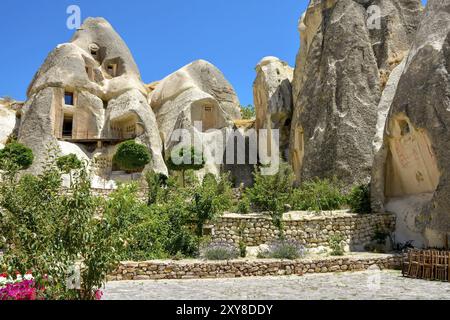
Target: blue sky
[(162, 35)]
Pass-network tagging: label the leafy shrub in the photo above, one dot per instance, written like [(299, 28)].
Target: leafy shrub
[(272, 193), (184, 158), (131, 156), (68, 163), (336, 243), (243, 206), (248, 112), (359, 199), (49, 231), (242, 249), (284, 249), (16, 155), (318, 195), (155, 183), (210, 199), (219, 251), (158, 231)]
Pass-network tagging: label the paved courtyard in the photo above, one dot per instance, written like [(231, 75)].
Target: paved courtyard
[(368, 285)]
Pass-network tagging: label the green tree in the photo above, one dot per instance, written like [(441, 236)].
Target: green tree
[(185, 158), (131, 156), (68, 163), (16, 156)]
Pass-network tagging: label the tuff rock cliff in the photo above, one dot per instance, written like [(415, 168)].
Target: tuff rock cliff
[(411, 174), (342, 68)]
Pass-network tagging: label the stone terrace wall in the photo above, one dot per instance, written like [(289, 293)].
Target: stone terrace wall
[(311, 229), (197, 269)]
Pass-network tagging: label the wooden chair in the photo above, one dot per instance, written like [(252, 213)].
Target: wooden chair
[(427, 263), (406, 262), (442, 265), (414, 266)]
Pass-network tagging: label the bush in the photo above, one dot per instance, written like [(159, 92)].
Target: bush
[(359, 199), (210, 199), (318, 195), (243, 206), (68, 163), (158, 231), (219, 251), (248, 112), (336, 243), (49, 231), (16, 155), (284, 249), (155, 183), (131, 156), (272, 193), (242, 249)]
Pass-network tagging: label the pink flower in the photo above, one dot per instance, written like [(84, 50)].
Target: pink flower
[(24, 290), (98, 295)]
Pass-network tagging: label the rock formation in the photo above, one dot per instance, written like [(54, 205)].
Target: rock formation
[(272, 93), (197, 98), (8, 120), (89, 92), (412, 169), (343, 65)]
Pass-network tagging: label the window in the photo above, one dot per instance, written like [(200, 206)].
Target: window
[(112, 70), (68, 98), (404, 127), (105, 104)]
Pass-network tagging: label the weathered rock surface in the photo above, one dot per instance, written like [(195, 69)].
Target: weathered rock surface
[(342, 68), (7, 122), (196, 94), (272, 93), (415, 170), (179, 99), (109, 97)]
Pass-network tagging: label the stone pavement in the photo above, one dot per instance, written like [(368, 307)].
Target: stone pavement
[(367, 285)]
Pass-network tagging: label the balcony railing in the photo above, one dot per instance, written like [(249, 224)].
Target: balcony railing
[(95, 136)]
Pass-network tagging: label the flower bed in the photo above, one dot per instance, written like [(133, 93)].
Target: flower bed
[(20, 287), (26, 288)]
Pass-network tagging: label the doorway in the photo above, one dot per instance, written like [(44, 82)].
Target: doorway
[(208, 118), (67, 128)]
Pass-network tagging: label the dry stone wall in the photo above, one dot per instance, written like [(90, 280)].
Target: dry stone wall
[(313, 230), (197, 269)]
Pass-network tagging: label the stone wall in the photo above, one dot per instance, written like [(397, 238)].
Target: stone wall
[(313, 230), (197, 269)]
